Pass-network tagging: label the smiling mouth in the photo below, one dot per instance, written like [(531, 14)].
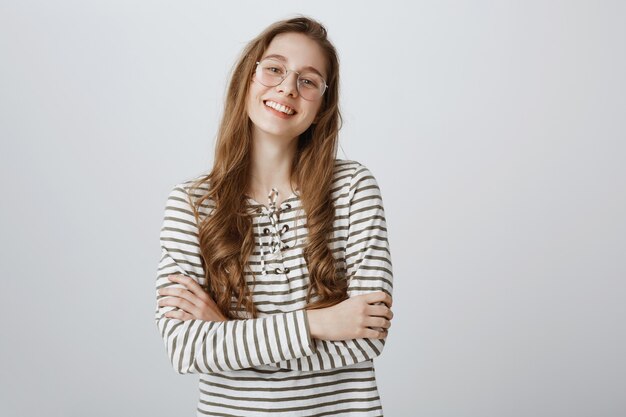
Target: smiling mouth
[(279, 107)]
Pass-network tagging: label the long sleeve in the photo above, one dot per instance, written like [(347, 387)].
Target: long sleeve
[(369, 269), (197, 346)]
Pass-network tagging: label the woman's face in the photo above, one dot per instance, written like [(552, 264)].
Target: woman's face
[(299, 52)]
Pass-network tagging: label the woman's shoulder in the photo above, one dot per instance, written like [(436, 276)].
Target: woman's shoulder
[(195, 184), (345, 164), (349, 171), (192, 189)]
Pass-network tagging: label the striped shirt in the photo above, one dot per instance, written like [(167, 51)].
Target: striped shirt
[(271, 365)]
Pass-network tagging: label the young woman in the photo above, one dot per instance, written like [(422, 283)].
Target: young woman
[(275, 280)]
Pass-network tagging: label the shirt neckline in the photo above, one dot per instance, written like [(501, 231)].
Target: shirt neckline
[(292, 197)]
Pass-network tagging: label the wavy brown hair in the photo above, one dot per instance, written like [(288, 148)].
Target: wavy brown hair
[(226, 235)]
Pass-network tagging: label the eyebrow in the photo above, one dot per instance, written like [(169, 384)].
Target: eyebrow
[(282, 58)]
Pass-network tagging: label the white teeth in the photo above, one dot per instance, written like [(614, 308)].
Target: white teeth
[(279, 107)]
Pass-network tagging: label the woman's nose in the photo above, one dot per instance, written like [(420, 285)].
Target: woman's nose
[(289, 86)]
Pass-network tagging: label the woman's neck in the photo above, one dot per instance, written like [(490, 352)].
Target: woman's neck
[(270, 167)]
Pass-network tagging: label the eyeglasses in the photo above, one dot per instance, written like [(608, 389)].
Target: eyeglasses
[(271, 73)]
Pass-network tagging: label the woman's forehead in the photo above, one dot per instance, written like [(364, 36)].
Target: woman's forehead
[(297, 51)]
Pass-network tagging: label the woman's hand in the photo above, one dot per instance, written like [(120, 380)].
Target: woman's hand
[(193, 301), (354, 318)]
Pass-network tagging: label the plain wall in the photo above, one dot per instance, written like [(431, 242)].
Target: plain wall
[(496, 131)]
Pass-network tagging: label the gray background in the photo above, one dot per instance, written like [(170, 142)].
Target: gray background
[(495, 129)]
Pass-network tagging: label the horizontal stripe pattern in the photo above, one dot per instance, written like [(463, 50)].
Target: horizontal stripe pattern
[(270, 365)]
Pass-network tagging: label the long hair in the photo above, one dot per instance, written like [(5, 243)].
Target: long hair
[(226, 236)]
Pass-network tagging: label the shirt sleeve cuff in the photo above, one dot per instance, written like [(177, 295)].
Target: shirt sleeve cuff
[(303, 323)]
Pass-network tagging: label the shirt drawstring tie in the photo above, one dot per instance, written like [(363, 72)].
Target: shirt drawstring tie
[(276, 245)]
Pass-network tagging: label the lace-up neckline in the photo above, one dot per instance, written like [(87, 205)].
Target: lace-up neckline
[(275, 243)]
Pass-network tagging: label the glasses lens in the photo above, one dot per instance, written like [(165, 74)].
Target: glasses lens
[(270, 72), (310, 85)]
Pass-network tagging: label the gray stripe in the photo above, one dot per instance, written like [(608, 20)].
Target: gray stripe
[(205, 332), (260, 358), (327, 345), (280, 346), (173, 328), (354, 359), (373, 346), (299, 338), (189, 324), (267, 341), (235, 325), (245, 344), (215, 358), (348, 410), (290, 335), (236, 390), (349, 350), (227, 332), (216, 414), (299, 397), (300, 408), (333, 375)]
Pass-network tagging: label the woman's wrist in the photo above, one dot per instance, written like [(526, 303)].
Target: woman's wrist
[(313, 317)]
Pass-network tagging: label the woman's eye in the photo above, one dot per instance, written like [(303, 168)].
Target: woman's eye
[(275, 70), (308, 83)]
